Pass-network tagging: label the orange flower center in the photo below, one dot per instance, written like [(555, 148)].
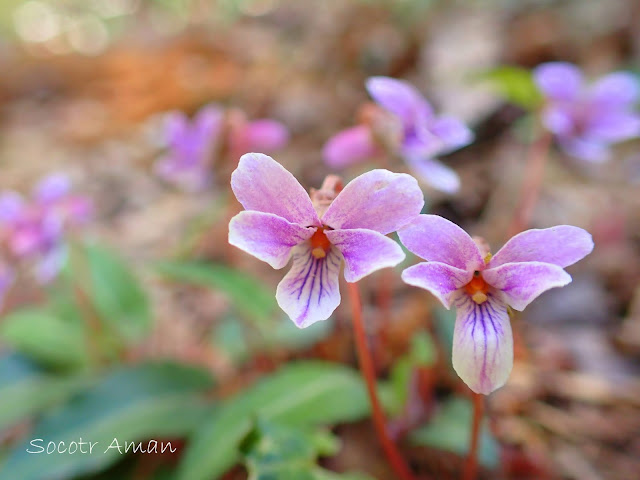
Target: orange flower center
[(320, 244), (477, 288)]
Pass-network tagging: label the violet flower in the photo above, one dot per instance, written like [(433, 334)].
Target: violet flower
[(34, 231), (587, 119), (481, 286), (280, 221), (410, 129), (193, 145)]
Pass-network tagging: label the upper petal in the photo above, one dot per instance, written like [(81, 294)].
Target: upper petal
[(399, 97), (377, 200), (52, 188), (350, 146), (11, 207), (365, 251), (440, 279), (562, 245), (260, 183), (438, 240), (310, 292), (558, 80), (618, 89), (452, 132), (266, 236), (435, 173), (522, 282), (482, 344)]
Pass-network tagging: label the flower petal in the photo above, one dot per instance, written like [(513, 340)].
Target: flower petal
[(50, 264), (522, 282), (558, 80), (350, 146), (440, 279), (618, 89), (562, 245), (559, 119), (262, 184), (52, 188), (261, 136), (365, 251), (377, 200), (587, 149), (434, 173), (400, 98), (208, 123), (310, 292), (11, 207), (482, 344), (266, 236), (453, 133), (436, 239), (614, 126)]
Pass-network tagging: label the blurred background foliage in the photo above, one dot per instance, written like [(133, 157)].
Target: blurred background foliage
[(157, 329)]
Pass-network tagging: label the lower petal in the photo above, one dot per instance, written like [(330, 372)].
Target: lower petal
[(440, 279), (365, 251), (482, 344), (585, 149), (453, 133), (310, 292), (266, 236), (434, 173)]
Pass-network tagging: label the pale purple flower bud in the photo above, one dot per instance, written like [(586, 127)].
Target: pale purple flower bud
[(281, 222), (481, 287), (588, 119)]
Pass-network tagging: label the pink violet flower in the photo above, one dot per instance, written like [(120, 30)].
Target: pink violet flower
[(411, 129), (34, 231), (481, 287), (587, 119), (193, 145), (280, 222)]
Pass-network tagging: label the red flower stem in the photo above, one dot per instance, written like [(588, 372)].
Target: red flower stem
[(366, 366), (533, 176), (471, 467)]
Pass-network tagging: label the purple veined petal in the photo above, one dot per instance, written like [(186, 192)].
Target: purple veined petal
[(616, 90), (522, 282), (52, 188), (562, 245), (264, 136), (310, 292), (190, 177), (436, 239), (377, 200), (266, 236), (584, 148), (613, 126), (262, 184), (11, 207), (399, 97), (435, 174), (452, 132), (482, 344), (364, 251), (559, 119), (558, 80), (49, 266), (350, 146), (442, 280)]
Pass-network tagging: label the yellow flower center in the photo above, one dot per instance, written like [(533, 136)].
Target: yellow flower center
[(477, 288), (320, 244)]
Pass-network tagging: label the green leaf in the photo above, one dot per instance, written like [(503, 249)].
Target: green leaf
[(515, 84), (248, 295), (273, 451), (46, 338), (26, 389), (308, 393), (149, 401), (450, 429), (117, 295)]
